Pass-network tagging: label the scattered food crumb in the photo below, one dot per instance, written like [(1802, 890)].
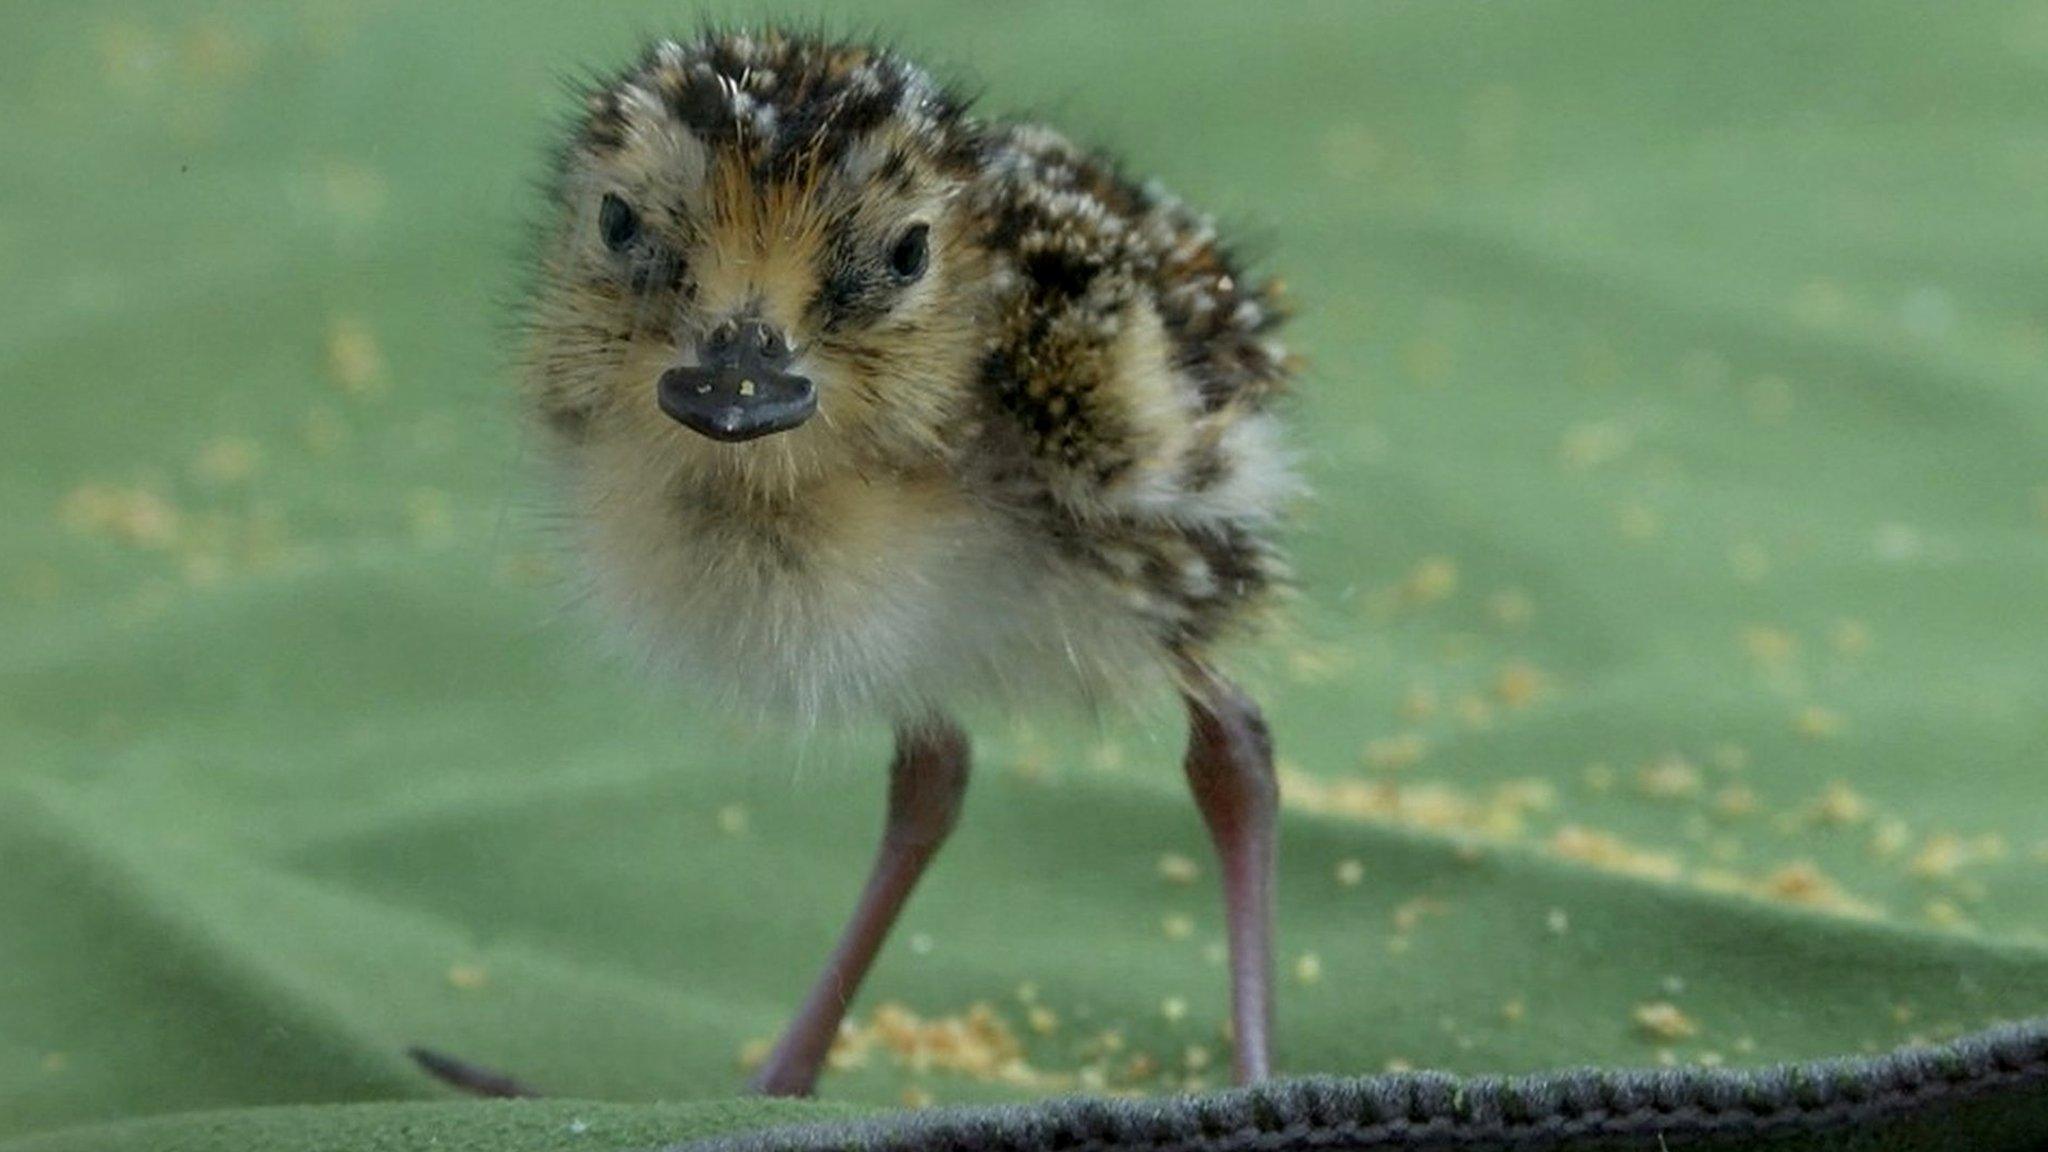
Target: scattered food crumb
[(1519, 684), (1664, 1020), (1350, 873), (353, 358), (1511, 608), (1391, 753), (1735, 801), (1850, 637), (467, 977), (227, 460), (1434, 579), (732, 819), (1418, 703), (1817, 723), (1839, 804), (1670, 777), (1945, 913), (1609, 852), (136, 516), (1177, 869), (1308, 968)]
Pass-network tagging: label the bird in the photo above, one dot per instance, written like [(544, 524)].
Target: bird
[(862, 407)]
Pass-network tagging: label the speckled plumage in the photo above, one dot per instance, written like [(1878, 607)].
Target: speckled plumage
[(1049, 466)]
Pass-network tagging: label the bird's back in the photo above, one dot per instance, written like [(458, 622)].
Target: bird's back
[(1129, 377)]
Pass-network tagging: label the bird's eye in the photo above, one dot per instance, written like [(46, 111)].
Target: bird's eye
[(617, 224), (912, 253)]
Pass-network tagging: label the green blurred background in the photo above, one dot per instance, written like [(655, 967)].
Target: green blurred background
[(1668, 683)]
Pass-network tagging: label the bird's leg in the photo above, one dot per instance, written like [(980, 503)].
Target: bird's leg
[(1230, 769), (927, 780)]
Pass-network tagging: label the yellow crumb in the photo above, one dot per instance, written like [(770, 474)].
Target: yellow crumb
[(1398, 1065), (1610, 853), (1475, 712), (1177, 869), (1350, 873), (1308, 968), (353, 358), (1514, 1011), (1839, 804), (1418, 703), (1890, 837), (1941, 857), (136, 516), (1196, 1058), (1391, 753), (227, 460), (1519, 684), (1177, 926), (1735, 800), (732, 819), (1638, 521), (1043, 1021), (914, 1097), (1769, 645), (467, 977), (1108, 756), (1670, 777), (1173, 1008), (1511, 608), (1946, 913), (1664, 1020), (1802, 882), (1850, 637), (754, 1053), (1598, 777), (1817, 723), (1411, 912), (1434, 579), (1594, 443)]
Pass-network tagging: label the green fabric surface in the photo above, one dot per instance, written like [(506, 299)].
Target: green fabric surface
[(532, 1126), (1666, 683)]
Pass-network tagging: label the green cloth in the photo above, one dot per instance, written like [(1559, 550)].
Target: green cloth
[(1666, 684)]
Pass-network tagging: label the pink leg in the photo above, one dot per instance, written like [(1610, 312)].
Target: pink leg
[(927, 780), (1230, 770)]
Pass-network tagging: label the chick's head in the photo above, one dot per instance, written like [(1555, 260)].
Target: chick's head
[(759, 261)]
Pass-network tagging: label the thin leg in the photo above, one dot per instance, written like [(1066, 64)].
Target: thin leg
[(927, 780), (1230, 770)]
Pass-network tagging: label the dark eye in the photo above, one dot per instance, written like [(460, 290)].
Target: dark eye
[(912, 253), (617, 224)]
